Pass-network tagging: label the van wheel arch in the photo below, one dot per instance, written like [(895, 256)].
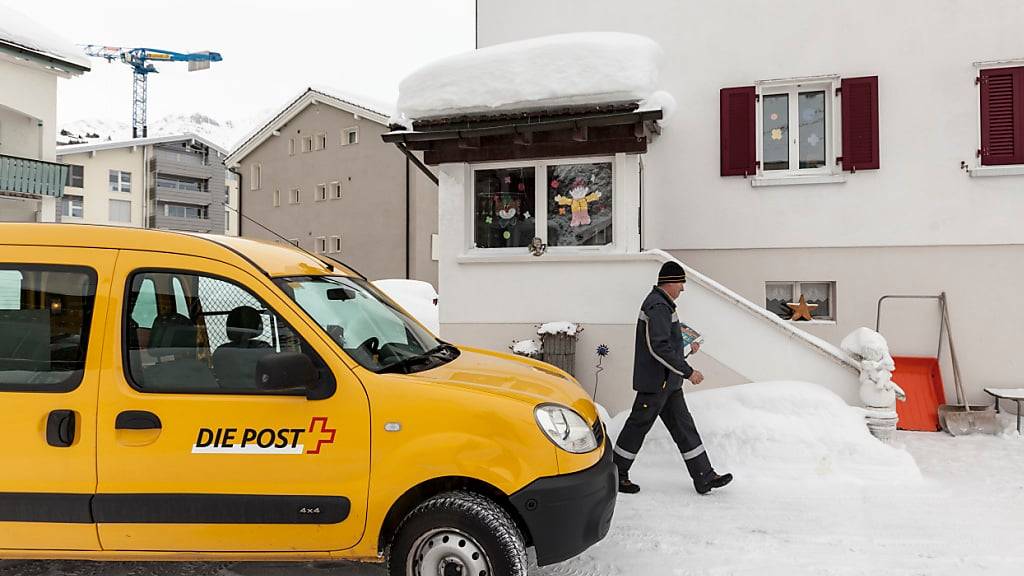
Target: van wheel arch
[(420, 493)]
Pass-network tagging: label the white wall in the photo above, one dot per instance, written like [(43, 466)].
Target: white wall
[(923, 53), (32, 92), (96, 192)]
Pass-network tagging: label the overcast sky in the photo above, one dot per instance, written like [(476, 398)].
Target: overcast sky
[(271, 49)]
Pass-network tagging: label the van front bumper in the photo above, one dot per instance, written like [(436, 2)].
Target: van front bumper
[(568, 514)]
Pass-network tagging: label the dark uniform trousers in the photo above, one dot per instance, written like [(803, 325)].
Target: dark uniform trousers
[(670, 405)]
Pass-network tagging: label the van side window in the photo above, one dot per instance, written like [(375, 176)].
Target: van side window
[(45, 314), (194, 333)]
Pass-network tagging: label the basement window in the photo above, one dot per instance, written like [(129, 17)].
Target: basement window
[(819, 295)]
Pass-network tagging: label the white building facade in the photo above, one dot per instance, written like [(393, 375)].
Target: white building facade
[(818, 149)]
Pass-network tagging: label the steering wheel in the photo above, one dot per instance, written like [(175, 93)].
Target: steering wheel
[(372, 345)]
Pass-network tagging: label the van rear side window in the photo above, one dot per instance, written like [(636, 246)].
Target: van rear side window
[(45, 314), (192, 333)]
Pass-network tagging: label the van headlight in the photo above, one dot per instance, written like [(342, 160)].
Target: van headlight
[(567, 429)]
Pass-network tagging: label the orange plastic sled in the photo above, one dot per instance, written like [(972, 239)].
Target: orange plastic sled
[(921, 379)]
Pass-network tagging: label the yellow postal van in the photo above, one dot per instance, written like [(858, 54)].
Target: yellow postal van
[(176, 396)]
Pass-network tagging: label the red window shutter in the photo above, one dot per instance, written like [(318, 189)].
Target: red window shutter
[(860, 123), (1002, 116), (737, 135)]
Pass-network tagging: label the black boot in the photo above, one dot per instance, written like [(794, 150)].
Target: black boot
[(627, 487), (712, 479)]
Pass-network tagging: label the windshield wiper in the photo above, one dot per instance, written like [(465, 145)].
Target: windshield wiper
[(443, 350)]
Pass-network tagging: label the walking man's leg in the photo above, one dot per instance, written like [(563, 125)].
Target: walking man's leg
[(646, 408), (677, 418)]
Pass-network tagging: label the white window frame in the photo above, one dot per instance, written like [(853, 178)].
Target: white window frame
[(321, 244), (256, 176), (307, 144), (321, 193), (831, 172), (291, 146), (976, 168), (71, 176), (335, 190), (335, 245), (276, 200), (353, 130), (71, 211), (295, 196), (320, 141), (797, 291), (540, 203), (120, 181), (293, 241)]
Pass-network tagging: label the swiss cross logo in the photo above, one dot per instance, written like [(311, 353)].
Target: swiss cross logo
[(324, 430)]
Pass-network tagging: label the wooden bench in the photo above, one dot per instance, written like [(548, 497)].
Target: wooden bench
[(1014, 394)]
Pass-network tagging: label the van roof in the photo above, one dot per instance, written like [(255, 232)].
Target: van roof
[(272, 258)]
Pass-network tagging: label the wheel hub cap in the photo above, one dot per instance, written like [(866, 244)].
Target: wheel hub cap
[(448, 552)]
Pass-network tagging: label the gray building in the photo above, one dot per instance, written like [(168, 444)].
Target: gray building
[(319, 175), (167, 182)]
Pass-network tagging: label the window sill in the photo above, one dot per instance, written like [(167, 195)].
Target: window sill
[(1007, 170), (483, 257), (759, 181), (811, 322)]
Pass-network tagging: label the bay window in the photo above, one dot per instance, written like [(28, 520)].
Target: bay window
[(565, 203)]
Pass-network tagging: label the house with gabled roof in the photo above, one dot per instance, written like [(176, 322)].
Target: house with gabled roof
[(32, 59), (317, 174)]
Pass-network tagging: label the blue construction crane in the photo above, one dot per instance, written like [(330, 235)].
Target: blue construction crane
[(141, 60)]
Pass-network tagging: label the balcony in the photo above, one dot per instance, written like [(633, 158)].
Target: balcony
[(32, 177)]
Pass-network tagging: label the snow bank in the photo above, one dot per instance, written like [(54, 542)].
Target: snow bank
[(18, 29), (783, 431), (417, 297), (567, 328), (560, 70)]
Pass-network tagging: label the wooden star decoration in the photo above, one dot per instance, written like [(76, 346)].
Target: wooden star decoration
[(801, 310)]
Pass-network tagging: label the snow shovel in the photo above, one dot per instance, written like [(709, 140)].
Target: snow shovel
[(962, 418)]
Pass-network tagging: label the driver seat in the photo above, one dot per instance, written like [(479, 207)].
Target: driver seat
[(234, 362)]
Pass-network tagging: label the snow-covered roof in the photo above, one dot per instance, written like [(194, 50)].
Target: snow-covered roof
[(23, 34), (552, 71), (366, 107), (114, 144)]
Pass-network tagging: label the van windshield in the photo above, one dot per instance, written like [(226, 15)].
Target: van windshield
[(372, 330)]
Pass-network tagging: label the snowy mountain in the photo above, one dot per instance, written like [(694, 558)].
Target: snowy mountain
[(224, 133)]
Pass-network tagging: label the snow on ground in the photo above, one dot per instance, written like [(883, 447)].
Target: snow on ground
[(559, 70), (810, 498)]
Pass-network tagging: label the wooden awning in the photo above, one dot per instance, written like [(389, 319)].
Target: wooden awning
[(591, 131)]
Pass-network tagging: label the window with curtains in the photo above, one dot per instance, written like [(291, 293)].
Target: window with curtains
[(820, 296)]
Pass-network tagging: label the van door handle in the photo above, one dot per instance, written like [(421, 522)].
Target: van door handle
[(137, 420), (60, 428)]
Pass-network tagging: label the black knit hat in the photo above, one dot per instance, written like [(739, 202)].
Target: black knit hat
[(671, 272)]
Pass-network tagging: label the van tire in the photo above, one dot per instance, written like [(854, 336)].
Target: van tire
[(487, 524)]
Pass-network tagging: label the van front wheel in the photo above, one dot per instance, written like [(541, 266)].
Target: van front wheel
[(457, 534)]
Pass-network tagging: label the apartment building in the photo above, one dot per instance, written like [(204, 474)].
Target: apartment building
[(318, 175), (32, 59), (173, 182)]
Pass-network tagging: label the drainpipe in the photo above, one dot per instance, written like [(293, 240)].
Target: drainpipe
[(239, 174), (408, 224)]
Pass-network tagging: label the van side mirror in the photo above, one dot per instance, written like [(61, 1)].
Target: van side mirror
[(285, 372)]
